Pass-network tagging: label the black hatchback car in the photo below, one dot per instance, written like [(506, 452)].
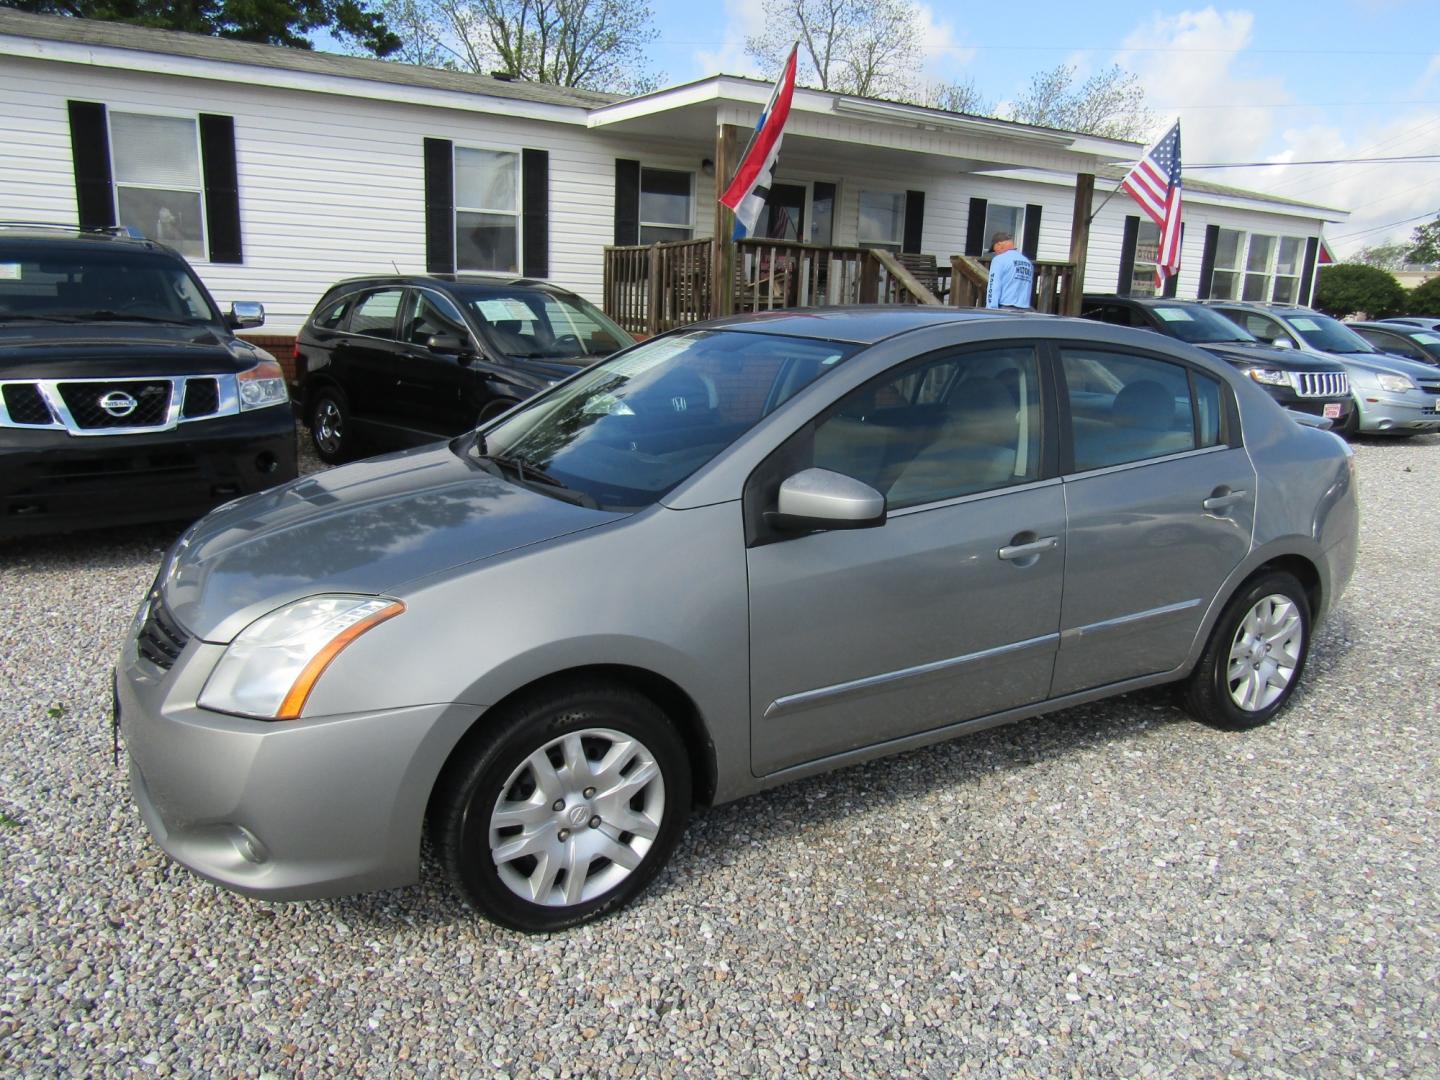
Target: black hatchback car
[(390, 362), (125, 395), (1300, 381)]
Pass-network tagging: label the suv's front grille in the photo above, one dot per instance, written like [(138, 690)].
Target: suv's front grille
[(161, 640), (25, 405), (125, 403), (202, 397), (1321, 384)]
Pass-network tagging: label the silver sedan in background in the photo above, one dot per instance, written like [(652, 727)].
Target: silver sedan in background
[(729, 557)]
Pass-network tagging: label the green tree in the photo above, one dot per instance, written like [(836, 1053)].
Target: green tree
[(1111, 103), (1385, 256), (1425, 244), (1352, 289), (1424, 299), (270, 22)]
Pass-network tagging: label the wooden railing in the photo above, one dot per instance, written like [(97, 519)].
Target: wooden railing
[(656, 287), (1057, 288)]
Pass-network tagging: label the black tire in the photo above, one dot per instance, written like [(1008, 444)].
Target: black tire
[(331, 431), (1209, 695), (1351, 427), (500, 764)]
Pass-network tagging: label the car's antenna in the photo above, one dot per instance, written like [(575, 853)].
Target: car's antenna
[(397, 267)]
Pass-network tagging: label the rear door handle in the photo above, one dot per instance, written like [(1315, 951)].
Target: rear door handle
[(1010, 552), (1225, 500)]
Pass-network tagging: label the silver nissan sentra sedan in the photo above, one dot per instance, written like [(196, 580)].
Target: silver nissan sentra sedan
[(729, 557)]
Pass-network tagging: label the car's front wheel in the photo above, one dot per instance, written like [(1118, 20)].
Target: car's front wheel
[(1255, 656), (566, 810)]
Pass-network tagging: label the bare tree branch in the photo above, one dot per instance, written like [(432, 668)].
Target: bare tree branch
[(867, 47), (1110, 103)]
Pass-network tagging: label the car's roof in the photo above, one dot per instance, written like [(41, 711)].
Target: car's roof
[(1394, 328), (453, 280), (1139, 301), (40, 234), (863, 324)]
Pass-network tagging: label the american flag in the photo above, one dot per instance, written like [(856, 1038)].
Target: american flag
[(1154, 183)]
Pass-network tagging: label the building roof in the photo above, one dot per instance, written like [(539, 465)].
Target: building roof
[(117, 35), (1205, 187)]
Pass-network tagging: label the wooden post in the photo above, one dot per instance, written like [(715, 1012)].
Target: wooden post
[(653, 298), (1079, 242), (727, 152)]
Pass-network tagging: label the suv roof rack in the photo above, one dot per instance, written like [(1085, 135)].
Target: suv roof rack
[(105, 230)]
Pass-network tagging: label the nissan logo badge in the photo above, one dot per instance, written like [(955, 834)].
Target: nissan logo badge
[(118, 403)]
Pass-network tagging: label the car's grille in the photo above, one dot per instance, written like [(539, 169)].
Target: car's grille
[(161, 639), (131, 404), (202, 397), (25, 405), (1321, 383)]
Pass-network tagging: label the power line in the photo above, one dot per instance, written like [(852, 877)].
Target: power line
[(1112, 48), (1387, 225), (1406, 159), (1301, 105)]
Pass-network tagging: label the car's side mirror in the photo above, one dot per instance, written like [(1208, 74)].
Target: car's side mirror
[(447, 345), (245, 315), (1282, 343), (821, 499)]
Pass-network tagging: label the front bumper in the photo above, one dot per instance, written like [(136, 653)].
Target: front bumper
[(1410, 412), (291, 810), (51, 481)]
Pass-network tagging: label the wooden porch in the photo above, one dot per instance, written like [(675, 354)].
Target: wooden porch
[(653, 288)]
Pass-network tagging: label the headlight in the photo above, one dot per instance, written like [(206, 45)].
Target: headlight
[(1268, 376), (1396, 384), (272, 665), (262, 385)]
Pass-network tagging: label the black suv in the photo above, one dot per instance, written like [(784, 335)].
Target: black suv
[(1300, 381), (124, 394), (387, 362)]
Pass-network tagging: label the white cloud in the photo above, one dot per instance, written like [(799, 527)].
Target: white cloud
[(1428, 77), (743, 19)]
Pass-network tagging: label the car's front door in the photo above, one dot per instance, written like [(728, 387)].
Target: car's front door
[(1160, 498), (433, 388), (947, 612)]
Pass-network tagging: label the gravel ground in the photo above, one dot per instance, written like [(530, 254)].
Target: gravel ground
[(1110, 890)]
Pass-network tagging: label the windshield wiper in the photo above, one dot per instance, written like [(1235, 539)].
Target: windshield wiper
[(533, 476), (130, 316), (37, 318)]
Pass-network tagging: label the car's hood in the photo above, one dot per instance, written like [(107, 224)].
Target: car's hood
[(364, 528), (1283, 359), (1384, 363), (100, 350)]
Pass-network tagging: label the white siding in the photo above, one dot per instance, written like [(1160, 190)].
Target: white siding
[(330, 186)]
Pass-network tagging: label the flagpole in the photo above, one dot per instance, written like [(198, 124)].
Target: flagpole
[(1112, 194), (755, 130)]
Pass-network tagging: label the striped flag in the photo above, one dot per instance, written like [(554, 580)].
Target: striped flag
[(1154, 183), (747, 193)]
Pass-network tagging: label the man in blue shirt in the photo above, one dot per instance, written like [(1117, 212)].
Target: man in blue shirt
[(1012, 275)]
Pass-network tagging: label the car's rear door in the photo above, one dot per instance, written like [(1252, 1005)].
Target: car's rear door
[(1160, 503), (947, 612)]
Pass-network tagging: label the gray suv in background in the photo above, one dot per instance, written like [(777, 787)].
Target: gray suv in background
[(729, 557), (1392, 396)]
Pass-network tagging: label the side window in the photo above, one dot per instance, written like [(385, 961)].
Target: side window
[(940, 428), (1264, 327), (374, 314), (334, 315), (428, 314), (1391, 343), (1209, 410), (1129, 408)]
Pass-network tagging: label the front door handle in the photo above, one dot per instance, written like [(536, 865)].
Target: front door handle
[(1011, 552), (1223, 499)]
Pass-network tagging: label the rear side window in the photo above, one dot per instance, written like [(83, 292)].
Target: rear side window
[(330, 317), (375, 314), (1127, 408)]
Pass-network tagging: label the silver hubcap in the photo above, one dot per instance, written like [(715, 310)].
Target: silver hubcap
[(576, 817), (1265, 653), (327, 426)]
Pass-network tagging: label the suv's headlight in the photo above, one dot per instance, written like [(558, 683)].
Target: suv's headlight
[(270, 668), (262, 385), (1268, 376), (1396, 384)]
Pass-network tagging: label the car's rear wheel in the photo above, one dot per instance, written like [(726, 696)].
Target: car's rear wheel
[(566, 810), (330, 426), (1255, 656)]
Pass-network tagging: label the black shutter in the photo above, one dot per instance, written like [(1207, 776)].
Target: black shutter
[(1307, 276), (439, 206), (535, 182), (1207, 261), (1172, 283), (1128, 243), (222, 187), (627, 201), (914, 220), (1030, 244), (90, 149), (975, 244)]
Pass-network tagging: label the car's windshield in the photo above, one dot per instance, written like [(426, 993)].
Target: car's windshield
[(1329, 335), (628, 430), (532, 324), (105, 284), (1197, 324)]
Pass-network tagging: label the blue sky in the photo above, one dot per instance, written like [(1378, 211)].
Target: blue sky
[(1282, 81)]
